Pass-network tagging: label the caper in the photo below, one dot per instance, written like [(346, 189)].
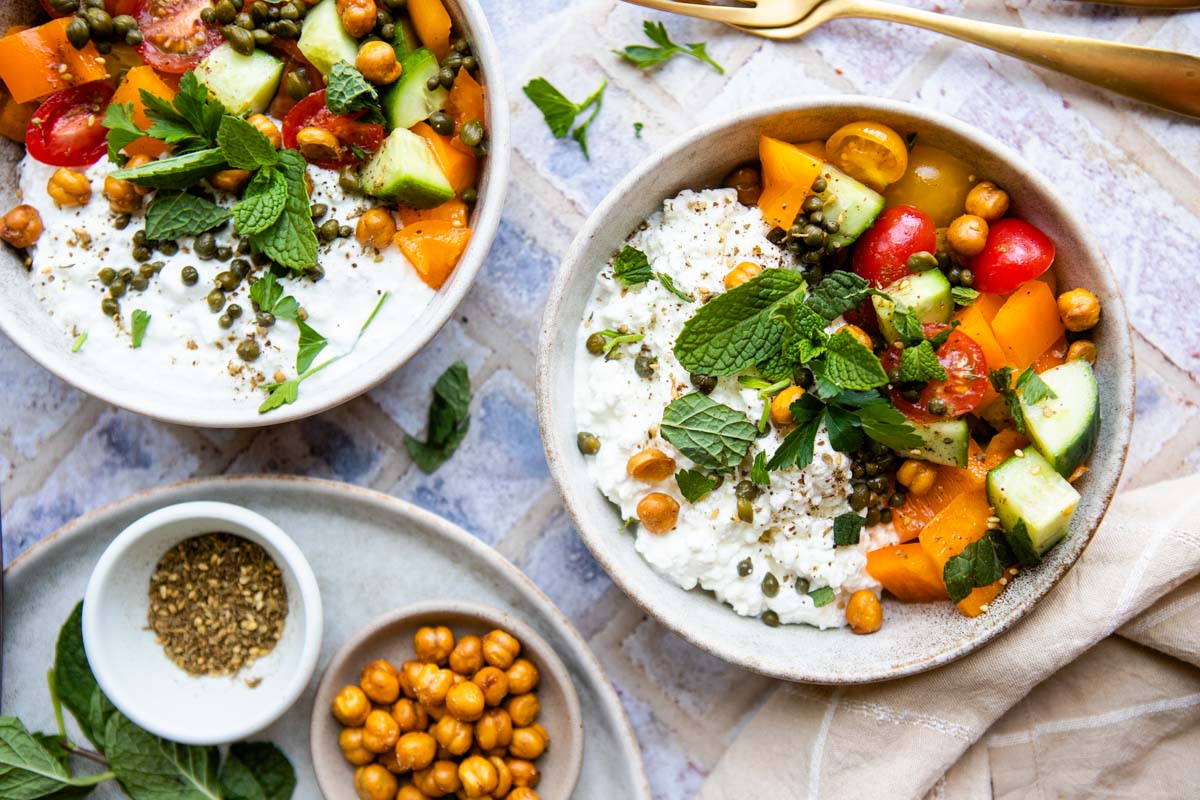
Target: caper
[(471, 133), (776, 235), (704, 383), (226, 11), (879, 484), (395, 5), (189, 276), (446, 77), (442, 123), (470, 196), (432, 83), (644, 366), (859, 496), (110, 307), (262, 39), (874, 468), (286, 29), (239, 39), (168, 248), (746, 490), (100, 22), (226, 280), (857, 471), (770, 619), (922, 261), (817, 218), (216, 300), (106, 275), (832, 226), (596, 343), (348, 179), (885, 515), (259, 10), (802, 585), (289, 12), (745, 567), (122, 221), (248, 350), (141, 254), (954, 275), (383, 17), (345, 232), (296, 85), (745, 510), (139, 238), (64, 7), (387, 32), (243, 247), (896, 499), (329, 230), (812, 203), (814, 236), (872, 517), (453, 61), (117, 288), (820, 185), (225, 321), (125, 274), (139, 283), (470, 63), (803, 377), (315, 273), (244, 20), (264, 319), (240, 268), (224, 253), (272, 11), (206, 246), (208, 16), (966, 278), (770, 585), (78, 33), (260, 259), (588, 443), (233, 310), (911, 395), (938, 407)]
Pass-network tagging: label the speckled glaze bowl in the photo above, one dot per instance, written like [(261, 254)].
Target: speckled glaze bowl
[(24, 319), (914, 638)]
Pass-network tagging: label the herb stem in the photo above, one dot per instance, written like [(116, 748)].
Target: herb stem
[(627, 338), (52, 683), (774, 388), (83, 752)]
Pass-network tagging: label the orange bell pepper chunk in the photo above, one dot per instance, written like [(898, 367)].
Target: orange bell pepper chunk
[(957, 525), (989, 305), (40, 61), (917, 510), (974, 323), (453, 211), (465, 102), (1028, 323), (432, 23), (433, 248), (788, 174), (908, 572), (977, 601), (129, 92), (1002, 446), (1054, 356), (460, 168)]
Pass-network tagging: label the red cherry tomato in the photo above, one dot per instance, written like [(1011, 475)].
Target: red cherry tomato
[(1015, 252), (311, 112), (66, 130), (881, 254), (174, 37), (966, 378), (293, 60)]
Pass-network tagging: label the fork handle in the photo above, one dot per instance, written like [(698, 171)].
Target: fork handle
[(1159, 77)]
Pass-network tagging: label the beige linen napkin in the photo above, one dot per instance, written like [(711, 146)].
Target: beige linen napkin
[(1111, 713)]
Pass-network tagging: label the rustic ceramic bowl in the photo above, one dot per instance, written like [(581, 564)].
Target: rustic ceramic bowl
[(23, 317), (390, 637), (914, 638)]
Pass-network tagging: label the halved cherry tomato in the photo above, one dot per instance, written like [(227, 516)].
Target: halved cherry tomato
[(1015, 252), (870, 152), (965, 384), (881, 254), (293, 60), (174, 39), (66, 130), (311, 112)]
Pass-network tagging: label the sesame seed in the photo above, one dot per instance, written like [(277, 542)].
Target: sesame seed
[(1019, 453)]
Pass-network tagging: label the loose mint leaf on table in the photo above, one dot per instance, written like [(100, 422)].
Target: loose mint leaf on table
[(176, 172), (262, 203), (257, 771), (122, 130), (977, 565), (963, 295), (449, 419), (29, 770), (244, 145), (846, 528), (822, 597), (150, 768), (694, 485), (850, 365), (1032, 388), (172, 215), (311, 345), (838, 293), (712, 435), (644, 57), (139, 320), (882, 422), (292, 240), (631, 267), (560, 113), (920, 364), (349, 92)]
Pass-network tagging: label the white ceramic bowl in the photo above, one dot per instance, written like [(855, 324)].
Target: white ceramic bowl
[(914, 638), (24, 319), (135, 673)]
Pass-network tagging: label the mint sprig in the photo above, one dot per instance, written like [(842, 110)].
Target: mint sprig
[(645, 58), (348, 92), (560, 113)]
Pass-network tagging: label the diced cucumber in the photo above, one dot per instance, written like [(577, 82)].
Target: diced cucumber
[(1065, 427), (405, 40), (323, 40), (944, 442), (1034, 503), (406, 170), (409, 100), (244, 84), (926, 294), (853, 205)]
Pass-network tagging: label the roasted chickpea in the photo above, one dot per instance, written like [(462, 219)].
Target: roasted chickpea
[(22, 226), (434, 645), (433, 684), (125, 197), (350, 740), (504, 780), (523, 709), (436, 713), (465, 701), (477, 776), (380, 731), (410, 671), (1079, 309), (525, 774), (658, 512), (967, 235), (864, 614), (494, 729), (376, 227), (523, 793), (918, 476), (650, 465), (67, 188), (781, 406), (227, 180), (415, 750), (748, 183), (351, 706), (411, 792), (267, 127), (741, 273), (380, 684), (1082, 350), (859, 335), (467, 656), (500, 649), (409, 716), (373, 782), (377, 63), (438, 780), (987, 200), (454, 735), (358, 16), (523, 677), (318, 144), (388, 761), (529, 742)]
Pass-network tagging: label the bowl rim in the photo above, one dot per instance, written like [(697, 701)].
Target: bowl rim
[(548, 663), (262, 531), (572, 262), (429, 322)]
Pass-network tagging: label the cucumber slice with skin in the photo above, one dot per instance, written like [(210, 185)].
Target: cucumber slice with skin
[(944, 442), (323, 40), (244, 84), (406, 170), (405, 41), (926, 294), (409, 100), (1065, 427), (1034, 503), (853, 205)]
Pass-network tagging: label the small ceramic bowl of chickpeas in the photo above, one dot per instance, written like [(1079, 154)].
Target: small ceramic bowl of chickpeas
[(447, 699)]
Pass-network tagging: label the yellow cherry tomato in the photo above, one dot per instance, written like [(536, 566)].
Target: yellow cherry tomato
[(870, 152), (935, 182)]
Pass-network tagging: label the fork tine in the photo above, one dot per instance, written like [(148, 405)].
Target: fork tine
[(731, 16)]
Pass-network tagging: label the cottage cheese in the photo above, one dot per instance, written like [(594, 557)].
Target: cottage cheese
[(696, 239)]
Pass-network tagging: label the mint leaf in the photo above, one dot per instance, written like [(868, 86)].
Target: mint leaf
[(963, 295), (908, 327), (1002, 381), (29, 770), (846, 528), (122, 130), (631, 267), (850, 365), (449, 419), (694, 485), (245, 147), (172, 215), (138, 322), (73, 675), (150, 768), (292, 240), (262, 203), (348, 92), (175, 172), (843, 427), (311, 345), (759, 475), (920, 364), (669, 284), (822, 597), (257, 771), (838, 293), (1033, 388), (712, 435), (644, 57), (976, 566), (881, 421), (560, 113), (738, 329)]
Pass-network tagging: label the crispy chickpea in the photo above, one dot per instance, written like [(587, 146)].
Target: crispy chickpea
[(380, 731), (377, 63), (69, 188), (523, 677), (967, 235), (530, 742), (379, 684), (864, 614), (1079, 309), (409, 672), (409, 716), (859, 335), (122, 196), (650, 465), (523, 709), (454, 735), (781, 406), (388, 761), (410, 792), (434, 645), (525, 774), (351, 706), (228, 180), (467, 656), (415, 750), (433, 685), (1082, 350), (500, 649), (741, 273), (318, 144), (494, 683), (358, 16), (523, 793), (438, 780), (658, 512), (987, 200), (748, 183), (22, 226), (918, 476), (494, 729), (465, 701), (350, 740), (477, 776), (267, 127), (435, 713), (504, 781), (376, 227), (373, 782)]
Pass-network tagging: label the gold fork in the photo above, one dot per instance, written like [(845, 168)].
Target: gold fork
[(1161, 78)]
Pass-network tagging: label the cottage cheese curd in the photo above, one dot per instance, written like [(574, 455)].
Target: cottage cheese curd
[(696, 239)]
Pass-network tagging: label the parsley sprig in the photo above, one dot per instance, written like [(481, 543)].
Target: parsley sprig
[(644, 57), (560, 113)]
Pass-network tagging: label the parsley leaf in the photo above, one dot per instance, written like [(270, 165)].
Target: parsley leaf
[(349, 92), (846, 528), (122, 130), (631, 267), (712, 435), (669, 284), (797, 447), (449, 420), (267, 294), (840, 292), (245, 147), (977, 565), (176, 214), (843, 427), (190, 121), (850, 365), (291, 240), (78, 343), (694, 485), (637, 129), (644, 57), (920, 364), (262, 202), (311, 345), (138, 322), (1032, 388), (822, 597), (759, 474), (882, 422), (963, 295), (560, 113)]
